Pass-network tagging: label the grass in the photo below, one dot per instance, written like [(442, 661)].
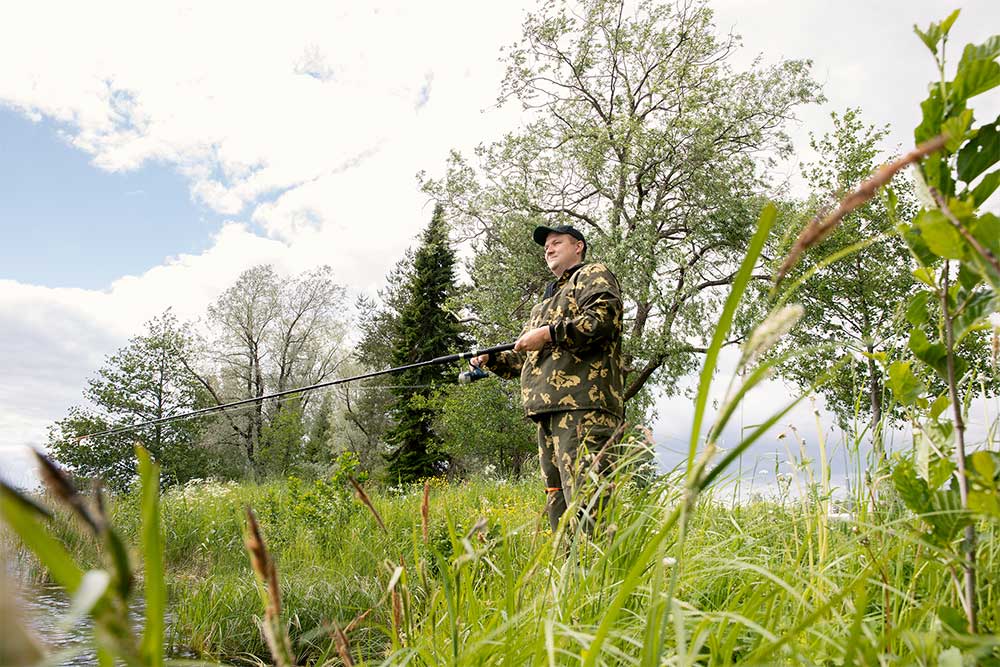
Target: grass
[(491, 584)]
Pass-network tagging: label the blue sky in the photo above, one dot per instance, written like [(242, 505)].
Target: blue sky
[(67, 223)]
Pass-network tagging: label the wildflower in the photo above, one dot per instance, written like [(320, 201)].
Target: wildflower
[(777, 324), (669, 562)]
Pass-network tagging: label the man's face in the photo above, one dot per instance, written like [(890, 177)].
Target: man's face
[(562, 252)]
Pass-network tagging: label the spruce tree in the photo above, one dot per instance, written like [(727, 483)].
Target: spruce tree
[(423, 330)]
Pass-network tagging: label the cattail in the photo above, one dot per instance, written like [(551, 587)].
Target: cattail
[(60, 485), (363, 497), (343, 646), (274, 633), (821, 226)]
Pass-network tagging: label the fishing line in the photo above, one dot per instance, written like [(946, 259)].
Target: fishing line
[(249, 402)]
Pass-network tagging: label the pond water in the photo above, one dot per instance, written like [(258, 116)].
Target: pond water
[(44, 609)]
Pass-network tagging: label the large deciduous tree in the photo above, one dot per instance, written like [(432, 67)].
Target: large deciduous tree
[(147, 379), (644, 137), (853, 302), (273, 334)]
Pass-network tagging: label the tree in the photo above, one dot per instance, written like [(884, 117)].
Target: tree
[(145, 380), (270, 335), (643, 137), (425, 328), (483, 425), (854, 301)]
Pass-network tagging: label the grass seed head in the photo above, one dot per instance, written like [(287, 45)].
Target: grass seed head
[(62, 487)]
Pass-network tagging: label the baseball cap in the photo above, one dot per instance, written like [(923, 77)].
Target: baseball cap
[(542, 232)]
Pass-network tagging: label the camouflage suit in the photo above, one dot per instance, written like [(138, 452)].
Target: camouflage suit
[(572, 388)]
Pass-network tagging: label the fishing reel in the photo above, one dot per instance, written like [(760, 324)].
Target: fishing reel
[(476, 373)]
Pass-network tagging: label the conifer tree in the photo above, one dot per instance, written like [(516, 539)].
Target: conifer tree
[(423, 330)]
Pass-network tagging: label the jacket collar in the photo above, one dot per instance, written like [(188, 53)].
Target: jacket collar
[(551, 288)]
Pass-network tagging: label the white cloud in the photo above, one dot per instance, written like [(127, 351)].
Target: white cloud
[(310, 119)]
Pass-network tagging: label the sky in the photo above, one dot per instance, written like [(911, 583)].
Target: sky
[(151, 153)]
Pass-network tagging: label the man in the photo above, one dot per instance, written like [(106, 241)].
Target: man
[(569, 360)]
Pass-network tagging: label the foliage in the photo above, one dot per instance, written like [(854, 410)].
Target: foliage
[(147, 379), (282, 449), (956, 248), (424, 329), (853, 302), (270, 335), (641, 135), (483, 426), (105, 593)]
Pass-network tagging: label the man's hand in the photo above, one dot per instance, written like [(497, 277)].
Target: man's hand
[(533, 340), (477, 362)]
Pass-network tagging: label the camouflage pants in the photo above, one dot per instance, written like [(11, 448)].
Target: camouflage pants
[(567, 443)]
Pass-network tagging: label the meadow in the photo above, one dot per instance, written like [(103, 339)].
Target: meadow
[(469, 573)]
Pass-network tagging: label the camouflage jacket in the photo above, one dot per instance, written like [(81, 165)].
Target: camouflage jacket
[(581, 369)]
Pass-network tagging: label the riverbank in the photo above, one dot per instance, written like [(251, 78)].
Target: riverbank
[(487, 583)]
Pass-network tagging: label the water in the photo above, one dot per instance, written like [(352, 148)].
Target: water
[(43, 609)]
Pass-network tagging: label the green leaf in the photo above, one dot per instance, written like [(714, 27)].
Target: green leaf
[(905, 386), (939, 405), (968, 278), (911, 489), (940, 235), (891, 204), (939, 471), (953, 619), (931, 37), (925, 275), (957, 127), (985, 464), (916, 310), (930, 124), (988, 50), (986, 230), (915, 242), (948, 22), (23, 518), (975, 309), (986, 187), (932, 354), (152, 547), (974, 77), (983, 471), (948, 517), (979, 154)]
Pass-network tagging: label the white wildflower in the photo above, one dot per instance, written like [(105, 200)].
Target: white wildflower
[(770, 331), (669, 562)]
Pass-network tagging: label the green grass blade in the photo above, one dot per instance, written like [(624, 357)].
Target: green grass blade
[(764, 224), (23, 517), (152, 548)]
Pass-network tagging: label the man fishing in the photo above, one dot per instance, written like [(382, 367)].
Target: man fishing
[(569, 360)]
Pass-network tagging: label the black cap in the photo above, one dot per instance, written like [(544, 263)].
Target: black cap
[(542, 232)]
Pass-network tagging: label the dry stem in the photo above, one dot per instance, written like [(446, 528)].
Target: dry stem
[(820, 227)]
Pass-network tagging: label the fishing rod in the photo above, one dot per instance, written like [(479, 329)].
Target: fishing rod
[(469, 376)]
